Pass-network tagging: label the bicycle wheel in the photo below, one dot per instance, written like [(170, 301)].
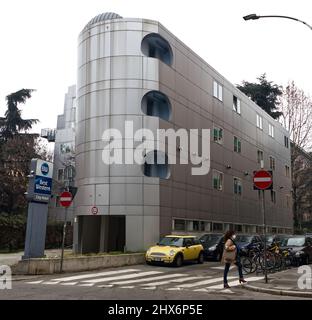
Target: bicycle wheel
[(269, 261), (247, 265)]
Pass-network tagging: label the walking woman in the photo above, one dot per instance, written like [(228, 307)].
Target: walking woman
[(230, 256)]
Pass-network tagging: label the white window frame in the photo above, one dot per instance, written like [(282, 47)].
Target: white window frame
[(272, 163), (271, 130), (220, 178), (217, 90), (219, 140), (237, 106), (259, 122), (238, 146), (239, 186)]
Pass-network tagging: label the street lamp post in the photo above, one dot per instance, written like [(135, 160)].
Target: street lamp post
[(253, 16)]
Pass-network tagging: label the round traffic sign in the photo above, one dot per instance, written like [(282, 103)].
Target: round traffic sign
[(66, 199), (262, 179), (94, 210)]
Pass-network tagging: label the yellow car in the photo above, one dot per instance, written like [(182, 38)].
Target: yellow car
[(174, 250)]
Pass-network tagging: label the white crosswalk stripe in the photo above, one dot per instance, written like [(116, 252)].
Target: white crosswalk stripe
[(222, 268), (160, 283), (203, 282), (234, 283), (94, 275), (128, 276), (173, 275)]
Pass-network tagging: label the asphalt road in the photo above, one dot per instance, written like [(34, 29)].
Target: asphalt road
[(139, 282)]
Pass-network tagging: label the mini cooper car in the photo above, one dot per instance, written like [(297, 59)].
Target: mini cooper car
[(174, 250)]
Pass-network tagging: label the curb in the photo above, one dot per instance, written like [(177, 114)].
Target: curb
[(279, 292)]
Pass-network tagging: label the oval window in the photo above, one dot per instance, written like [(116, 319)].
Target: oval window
[(156, 104), (155, 46)]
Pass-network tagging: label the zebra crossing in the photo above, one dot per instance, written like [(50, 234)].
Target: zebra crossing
[(146, 280)]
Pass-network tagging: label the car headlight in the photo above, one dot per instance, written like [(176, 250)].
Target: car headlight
[(171, 253), (299, 253), (212, 248)]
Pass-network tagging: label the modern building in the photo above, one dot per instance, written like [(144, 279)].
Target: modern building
[(64, 155), (136, 70)]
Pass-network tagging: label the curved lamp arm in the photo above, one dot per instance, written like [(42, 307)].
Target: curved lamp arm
[(255, 17)]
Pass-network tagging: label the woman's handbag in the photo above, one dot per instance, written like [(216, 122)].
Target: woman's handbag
[(229, 256)]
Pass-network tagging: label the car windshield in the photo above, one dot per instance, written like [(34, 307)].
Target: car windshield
[(296, 242), (171, 241), (284, 241), (211, 239), (241, 238), (269, 239)]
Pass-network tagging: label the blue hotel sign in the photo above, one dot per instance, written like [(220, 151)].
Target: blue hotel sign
[(40, 185)]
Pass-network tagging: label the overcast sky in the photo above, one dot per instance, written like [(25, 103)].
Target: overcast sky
[(39, 42)]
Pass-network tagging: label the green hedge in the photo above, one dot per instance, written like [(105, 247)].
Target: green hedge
[(13, 231)]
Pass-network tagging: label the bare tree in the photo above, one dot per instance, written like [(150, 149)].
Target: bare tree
[(296, 107)]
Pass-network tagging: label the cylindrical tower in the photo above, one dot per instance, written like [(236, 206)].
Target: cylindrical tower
[(117, 205)]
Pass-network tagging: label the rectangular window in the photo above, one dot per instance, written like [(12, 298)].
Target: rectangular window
[(288, 201), (217, 226), (259, 122), (237, 186), (195, 225), (236, 105), (217, 90), (287, 171), (179, 224), (202, 226), (238, 228), (65, 148), (273, 196), (271, 130), (218, 135), (286, 142), (237, 145), (272, 163), (259, 156), (217, 180), (60, 174)]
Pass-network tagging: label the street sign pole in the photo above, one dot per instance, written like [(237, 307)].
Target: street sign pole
[(264, 233), (63, 240), (66, 199)]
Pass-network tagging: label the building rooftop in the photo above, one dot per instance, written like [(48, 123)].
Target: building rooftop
[(102, 17)]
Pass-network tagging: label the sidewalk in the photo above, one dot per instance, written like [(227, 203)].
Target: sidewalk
[(282, 283), (11, 259)]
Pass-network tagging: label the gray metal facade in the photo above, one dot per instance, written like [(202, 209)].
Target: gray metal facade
[(114, 73)]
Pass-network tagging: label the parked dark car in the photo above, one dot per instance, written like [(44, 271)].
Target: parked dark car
[(246, 242), (300, 248), (272, 239), (213, 244)]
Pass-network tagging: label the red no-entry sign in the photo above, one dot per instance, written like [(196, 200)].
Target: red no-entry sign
[(263, 180), (66, 199)]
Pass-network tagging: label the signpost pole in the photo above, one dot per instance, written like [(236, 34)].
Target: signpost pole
[(264, 233), (63, 240)]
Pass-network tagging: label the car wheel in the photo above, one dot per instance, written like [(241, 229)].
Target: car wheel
[(148, 262), (178, 260), (200, 258)]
